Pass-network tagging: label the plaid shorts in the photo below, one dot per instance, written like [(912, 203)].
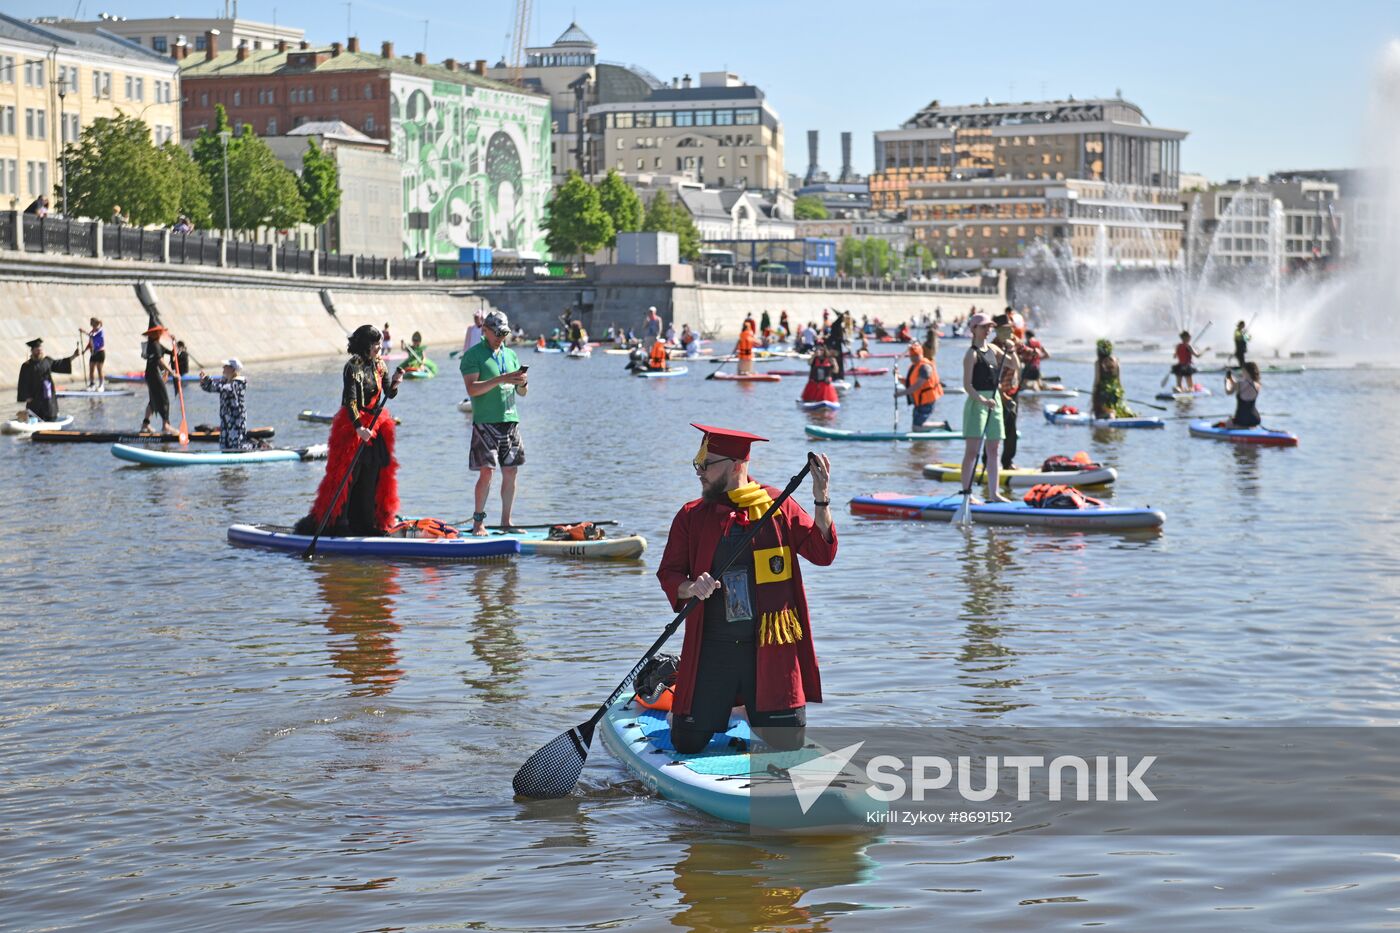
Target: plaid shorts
[(496, 445)]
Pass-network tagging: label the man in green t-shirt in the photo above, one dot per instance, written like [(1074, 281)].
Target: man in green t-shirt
[(493, 377)]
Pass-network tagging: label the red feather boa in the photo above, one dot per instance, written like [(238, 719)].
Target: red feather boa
[(343, 443)]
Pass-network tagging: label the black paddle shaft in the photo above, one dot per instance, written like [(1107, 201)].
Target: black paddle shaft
[(553, 770), (310, 551)]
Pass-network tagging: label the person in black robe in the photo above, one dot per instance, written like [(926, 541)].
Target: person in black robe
[(158, 400), (36, 389)]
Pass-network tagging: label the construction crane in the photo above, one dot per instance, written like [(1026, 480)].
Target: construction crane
[(519, 36)]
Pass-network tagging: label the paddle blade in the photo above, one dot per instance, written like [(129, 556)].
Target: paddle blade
[(553, 770), (963, 517)]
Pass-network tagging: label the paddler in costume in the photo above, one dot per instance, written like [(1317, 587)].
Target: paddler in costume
[(157, 399), (819, 378), (370, 503), (1108, 387), (660, 360), (35, 387), (921, 386), (749, 641), (418, 356)]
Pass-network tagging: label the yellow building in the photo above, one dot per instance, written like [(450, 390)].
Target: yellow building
[(53, 83)]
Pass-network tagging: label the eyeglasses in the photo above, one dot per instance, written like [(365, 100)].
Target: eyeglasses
[(700, 468)]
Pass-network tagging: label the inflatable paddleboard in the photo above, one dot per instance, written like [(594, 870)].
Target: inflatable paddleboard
[(148, 456), (1264, 437), (32, 425), (1051, 391), (583, 354), (819, 406), (1025, 478), (141, 377), (1196, 391), (1055, 416), (93, 393), (132, 437), (662, 373), (746, 377), (540, 349), (943, 508), (935, 431), (279, 538), (735, 769)]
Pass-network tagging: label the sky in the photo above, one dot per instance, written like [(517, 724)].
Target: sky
[(1260, 86)]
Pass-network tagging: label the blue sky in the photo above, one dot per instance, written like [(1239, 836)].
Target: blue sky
[(1259, 86)]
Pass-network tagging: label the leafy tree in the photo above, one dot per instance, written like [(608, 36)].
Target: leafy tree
[(621, 204), (319, 184), (194, 195), (209, 156), (115, 163), (809, 207), (663, 215), (577, 224), (264, 190)]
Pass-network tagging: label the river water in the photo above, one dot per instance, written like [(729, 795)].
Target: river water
[(201, 736)]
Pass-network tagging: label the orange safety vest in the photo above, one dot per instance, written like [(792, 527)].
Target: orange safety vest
[(745, 344), (659, 356), (931, 392)]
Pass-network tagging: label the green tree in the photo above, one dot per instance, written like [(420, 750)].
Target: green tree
[(264, 190), (209, 156), (115, 163), (663, 215), (809, 207), (319, 184), (194, 196), (577, 224), (621, 204)]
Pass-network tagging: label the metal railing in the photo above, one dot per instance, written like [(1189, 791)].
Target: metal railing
[(746, 278), (194, 249)]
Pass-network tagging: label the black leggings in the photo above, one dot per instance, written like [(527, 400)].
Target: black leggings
[(726, 672), (1008, 420)]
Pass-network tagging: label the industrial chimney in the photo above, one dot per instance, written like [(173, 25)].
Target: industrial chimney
[(813, 170), (847, 175)]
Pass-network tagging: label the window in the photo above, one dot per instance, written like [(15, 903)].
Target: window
[(102, 85), (621, 144), (746, 117), (624, 121), (204, 99), (7, 121), (35, 123), (7, 69), (130, 87), (664, 118), (720, 162), (68, 79), (685, 118), (369, 124), (37, 174), (140, 88), (200, 44), (704, 118), (724, 118), (159, 44), (641, 164), (272, 126), (657, 162), (743, 161), (72, 128), (238, 98), (9, 180), (34, 73), (369, 92), (335, 93), (642, 121)]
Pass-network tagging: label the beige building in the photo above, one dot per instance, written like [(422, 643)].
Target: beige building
[(54, 82), (162, 34)]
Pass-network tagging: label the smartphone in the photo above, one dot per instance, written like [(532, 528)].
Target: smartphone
[(524, 369)]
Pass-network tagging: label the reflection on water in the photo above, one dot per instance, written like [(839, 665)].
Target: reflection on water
[(742, 883), (984, 657), (492, 593), (359, 602)]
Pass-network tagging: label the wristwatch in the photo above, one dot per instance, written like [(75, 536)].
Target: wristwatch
[(820, 504)]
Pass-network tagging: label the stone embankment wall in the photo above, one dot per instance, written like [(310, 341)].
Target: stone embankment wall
[(262, 316)]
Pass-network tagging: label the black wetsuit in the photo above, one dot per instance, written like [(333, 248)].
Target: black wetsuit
[(1246, 410)]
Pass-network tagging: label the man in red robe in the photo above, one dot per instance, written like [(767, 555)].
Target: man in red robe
[(749, 641)]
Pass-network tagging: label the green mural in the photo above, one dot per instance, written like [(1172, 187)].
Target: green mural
[(476, 167)]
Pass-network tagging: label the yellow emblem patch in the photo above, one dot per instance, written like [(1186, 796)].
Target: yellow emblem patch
[(772, 565)]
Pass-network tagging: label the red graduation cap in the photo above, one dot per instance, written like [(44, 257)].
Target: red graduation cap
[(724, 442)]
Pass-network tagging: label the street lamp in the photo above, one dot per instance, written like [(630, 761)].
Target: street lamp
[(63, 143), (224, 136)]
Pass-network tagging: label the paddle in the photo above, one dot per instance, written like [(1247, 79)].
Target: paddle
[(895, 373), (553, 770), (963, 517), (179, 391), (1199, 334), (467, 521), (722, 364), (82, 356), (310, 551)]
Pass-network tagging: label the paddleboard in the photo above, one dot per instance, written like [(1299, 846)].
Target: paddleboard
[(93, 393), (1025, 477), (819, 406), (1054, 416), (31, 426), (579, 354), (937, 431), (725, 777), (141, 377), (418, 374), (1263, 370), (617, 351), (747, 377), (1053, 391), (943, 508), (537, 541), (662, 373), (1196, 391), (1265, 437), (147, 456), (540, 349), (280, 538), (133, 437)]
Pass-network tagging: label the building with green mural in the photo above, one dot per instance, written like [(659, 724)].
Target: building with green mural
[(475, 152)]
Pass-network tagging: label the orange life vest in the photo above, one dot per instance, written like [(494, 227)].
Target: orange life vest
[(929, 393), (659, 356), (745, 344)]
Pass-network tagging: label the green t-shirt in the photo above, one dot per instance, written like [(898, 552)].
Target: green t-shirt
[(497, 405)]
